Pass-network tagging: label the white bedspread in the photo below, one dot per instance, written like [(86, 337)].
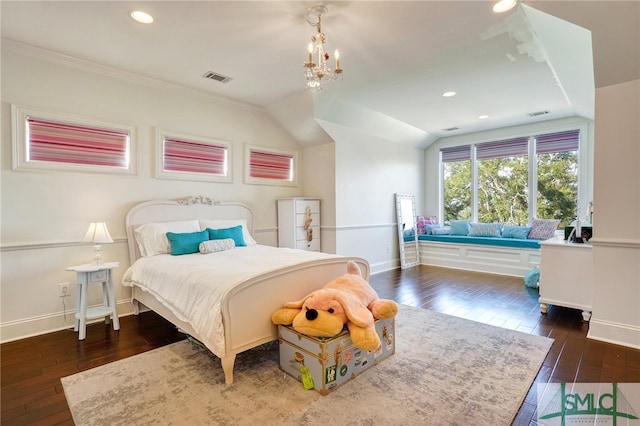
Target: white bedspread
[(192, 286)]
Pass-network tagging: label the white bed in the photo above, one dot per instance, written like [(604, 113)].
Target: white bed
[(241, 316)]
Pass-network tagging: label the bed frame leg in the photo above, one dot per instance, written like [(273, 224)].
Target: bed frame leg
[(136, 307), (227, 366)]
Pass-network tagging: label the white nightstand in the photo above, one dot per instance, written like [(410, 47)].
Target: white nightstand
[(91, 273)]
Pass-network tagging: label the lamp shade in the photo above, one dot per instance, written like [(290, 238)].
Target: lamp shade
[(97, 233)]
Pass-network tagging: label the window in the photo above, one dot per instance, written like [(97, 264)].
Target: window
[(270, 167), (557, 173), (456, 167), (494, 181), (44, 140), (502, 181), (188, 157)]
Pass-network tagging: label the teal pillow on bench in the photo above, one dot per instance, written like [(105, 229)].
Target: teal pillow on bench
[(186, 243), (518, 232), (441, 231), (459, 227)]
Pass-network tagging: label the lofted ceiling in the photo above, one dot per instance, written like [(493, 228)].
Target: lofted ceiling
[(398, 57)]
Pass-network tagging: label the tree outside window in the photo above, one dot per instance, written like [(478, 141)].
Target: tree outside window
[(503, 190), (557, 186), (457, 190)]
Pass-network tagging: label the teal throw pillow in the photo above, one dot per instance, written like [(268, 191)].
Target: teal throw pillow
[(518, 232), (442, 231), (430, 229), (460, 227), (235, 233), (186, 243)]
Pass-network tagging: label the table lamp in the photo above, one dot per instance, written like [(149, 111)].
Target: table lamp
[(97, 234)]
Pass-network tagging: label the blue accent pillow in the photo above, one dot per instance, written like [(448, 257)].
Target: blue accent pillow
[(518, 232), (430, 229), (485, 230), (235, 233), (186, 243), (442, 231), (460, 227)]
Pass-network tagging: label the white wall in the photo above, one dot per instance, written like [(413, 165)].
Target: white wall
[(616, 242), (45, 214), (369, 171), (320, 181)]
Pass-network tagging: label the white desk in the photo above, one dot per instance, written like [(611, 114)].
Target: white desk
[(91, 273), (566, 275)]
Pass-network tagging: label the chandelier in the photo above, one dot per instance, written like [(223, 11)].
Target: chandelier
[(320, 71)]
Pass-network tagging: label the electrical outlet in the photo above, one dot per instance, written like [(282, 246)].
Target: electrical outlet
[(63, 289)]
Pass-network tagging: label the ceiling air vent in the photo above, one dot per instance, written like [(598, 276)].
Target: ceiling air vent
[(217, 77), (537, 113), (450, 129)]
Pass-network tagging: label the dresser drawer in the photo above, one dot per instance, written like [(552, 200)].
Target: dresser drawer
[(302, 218), (313, 245), (301, 233), (301, 206), (98, 276)]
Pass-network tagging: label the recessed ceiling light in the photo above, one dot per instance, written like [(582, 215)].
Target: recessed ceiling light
[(483, 117), (142, 17), (448, 94), (503, 6)]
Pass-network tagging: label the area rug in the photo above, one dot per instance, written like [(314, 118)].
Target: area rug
[(446, 371)]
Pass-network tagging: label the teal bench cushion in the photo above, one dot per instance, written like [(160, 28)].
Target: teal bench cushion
[(490, 241)]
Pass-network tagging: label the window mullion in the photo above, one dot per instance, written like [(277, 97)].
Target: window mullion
[(532, 196), (474, 184)]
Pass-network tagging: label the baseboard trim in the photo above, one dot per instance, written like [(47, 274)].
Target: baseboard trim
[(43, 324), (616, 333), (387, 265)]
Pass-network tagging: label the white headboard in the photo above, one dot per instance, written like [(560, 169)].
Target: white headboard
[(182, 209)]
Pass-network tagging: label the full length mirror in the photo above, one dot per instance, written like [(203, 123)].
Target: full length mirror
[(407, 230)]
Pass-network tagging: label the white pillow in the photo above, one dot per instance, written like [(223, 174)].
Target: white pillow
[(213, 246), (152, 237), (228, 223)]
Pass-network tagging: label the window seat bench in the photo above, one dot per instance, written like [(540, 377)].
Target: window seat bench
[(504, 256)]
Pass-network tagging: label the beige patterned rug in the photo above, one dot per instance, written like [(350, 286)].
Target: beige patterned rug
[(446, 371)]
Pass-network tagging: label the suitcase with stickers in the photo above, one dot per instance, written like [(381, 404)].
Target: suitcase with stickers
[(333, 361)]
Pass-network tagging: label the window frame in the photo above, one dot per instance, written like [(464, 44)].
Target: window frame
[(248, 179), (161, 173), (20, 143), (584, 164)]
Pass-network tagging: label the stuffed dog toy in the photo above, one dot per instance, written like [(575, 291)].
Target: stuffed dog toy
[(348, 300)]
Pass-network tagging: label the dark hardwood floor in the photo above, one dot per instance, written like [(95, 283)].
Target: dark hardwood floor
[(32, 368)]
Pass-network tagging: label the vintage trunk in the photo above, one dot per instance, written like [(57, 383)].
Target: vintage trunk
[(332, 361)]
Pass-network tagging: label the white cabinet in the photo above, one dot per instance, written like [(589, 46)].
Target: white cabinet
[(299, 223), (566, 275)]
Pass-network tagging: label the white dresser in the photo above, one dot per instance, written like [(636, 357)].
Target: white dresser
[(566, 275), (299, 223)]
